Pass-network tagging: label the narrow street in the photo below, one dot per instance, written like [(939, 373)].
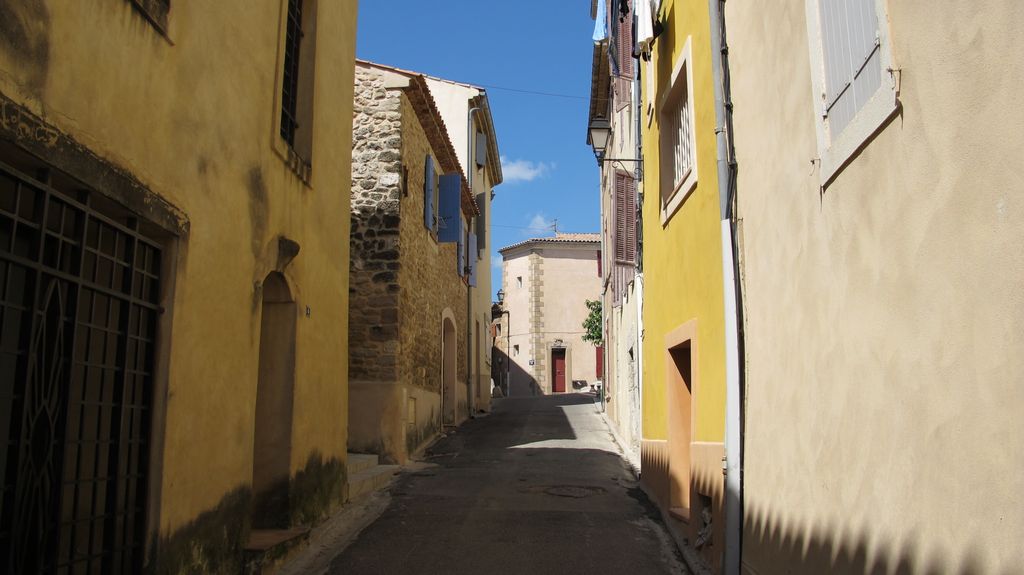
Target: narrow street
[(537, 487)]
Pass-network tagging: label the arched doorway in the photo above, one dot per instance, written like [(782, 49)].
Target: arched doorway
[(274, 396), (449, 368)]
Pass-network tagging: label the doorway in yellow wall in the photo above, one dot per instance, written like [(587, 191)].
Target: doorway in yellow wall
[(274, 399), (680, 376)]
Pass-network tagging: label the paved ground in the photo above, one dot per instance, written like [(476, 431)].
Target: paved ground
[(537, 487)]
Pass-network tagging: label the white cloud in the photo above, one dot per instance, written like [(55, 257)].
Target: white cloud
[(539, 225), (524, 170)]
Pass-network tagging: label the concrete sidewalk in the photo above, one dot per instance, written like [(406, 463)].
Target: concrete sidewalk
[(537, 487)]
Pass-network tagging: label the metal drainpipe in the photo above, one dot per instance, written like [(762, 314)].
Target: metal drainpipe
[(731, 287), (470, 136)]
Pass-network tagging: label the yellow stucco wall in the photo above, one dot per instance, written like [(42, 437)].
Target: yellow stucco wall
[(682, 258), (194, 116)]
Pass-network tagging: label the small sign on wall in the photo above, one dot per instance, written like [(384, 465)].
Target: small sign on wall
[(532, 362)]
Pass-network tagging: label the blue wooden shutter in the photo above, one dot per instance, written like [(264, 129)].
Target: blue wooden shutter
[(472, 260), (460, 250), (428, 193), (449, 226)]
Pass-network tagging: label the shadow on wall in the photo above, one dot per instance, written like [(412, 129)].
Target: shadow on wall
[(771, 546), (522, 384), (213, 542)]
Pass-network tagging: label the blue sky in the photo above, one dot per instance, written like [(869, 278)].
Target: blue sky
[(533, 45)]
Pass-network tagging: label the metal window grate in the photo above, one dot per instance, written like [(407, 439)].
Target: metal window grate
[(290, 87), (78, 313)]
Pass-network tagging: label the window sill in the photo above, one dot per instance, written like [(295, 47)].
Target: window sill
[(296, 163), (874, 116), (678, 197)]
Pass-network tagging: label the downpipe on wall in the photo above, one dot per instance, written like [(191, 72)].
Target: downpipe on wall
[(731, 287)]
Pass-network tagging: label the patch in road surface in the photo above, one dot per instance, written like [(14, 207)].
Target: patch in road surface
[(573, 491)]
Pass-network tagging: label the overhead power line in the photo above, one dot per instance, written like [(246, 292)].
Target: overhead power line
[(532, 92)]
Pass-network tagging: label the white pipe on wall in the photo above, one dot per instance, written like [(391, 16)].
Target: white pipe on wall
[(733, 391)]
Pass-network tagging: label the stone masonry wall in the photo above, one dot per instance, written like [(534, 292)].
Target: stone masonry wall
[(429, 280), (374, 265)]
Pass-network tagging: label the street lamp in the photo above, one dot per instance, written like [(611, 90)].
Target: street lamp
[(508, 342), (598, 134)]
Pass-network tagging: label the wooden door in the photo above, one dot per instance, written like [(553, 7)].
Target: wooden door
[(558, 370)]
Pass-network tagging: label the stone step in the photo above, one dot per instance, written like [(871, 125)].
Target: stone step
[(266, 549), (370, 480), (361, 462)]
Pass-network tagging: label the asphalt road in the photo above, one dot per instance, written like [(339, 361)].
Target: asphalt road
[(536, 487)]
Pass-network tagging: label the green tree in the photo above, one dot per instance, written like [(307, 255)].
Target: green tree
[(592, 325)]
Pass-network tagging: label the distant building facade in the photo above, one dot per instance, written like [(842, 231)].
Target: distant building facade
[(173, 279), (412, 268), (546, 282)]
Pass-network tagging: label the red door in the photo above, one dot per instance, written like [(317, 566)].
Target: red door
[(558, 370)]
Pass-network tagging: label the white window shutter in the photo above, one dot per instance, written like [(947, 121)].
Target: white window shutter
[(850, 42)]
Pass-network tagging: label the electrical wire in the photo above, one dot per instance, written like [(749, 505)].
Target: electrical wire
[(532, 92)]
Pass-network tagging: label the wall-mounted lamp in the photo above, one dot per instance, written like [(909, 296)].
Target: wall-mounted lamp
[(600, 130), (508, 341)]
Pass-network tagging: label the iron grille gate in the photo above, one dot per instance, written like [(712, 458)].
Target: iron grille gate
[(78, 312)]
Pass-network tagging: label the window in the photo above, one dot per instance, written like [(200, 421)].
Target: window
[(519, 281), (297, 81), (678, 152), (851, 65), (515, 350)]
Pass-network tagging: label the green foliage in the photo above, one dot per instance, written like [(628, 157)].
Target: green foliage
[(592, 325)]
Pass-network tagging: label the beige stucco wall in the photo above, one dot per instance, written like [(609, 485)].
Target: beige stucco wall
[(517, 302), (884, 317), (622, 345), (622, 364), (194, 116)]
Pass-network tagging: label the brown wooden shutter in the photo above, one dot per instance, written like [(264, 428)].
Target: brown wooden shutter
[(623, 235), (629, 203), (625, 44), (625, 218), (618, 211)]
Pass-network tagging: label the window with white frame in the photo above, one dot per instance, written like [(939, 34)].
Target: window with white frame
[(851, 74), (678, 151)]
